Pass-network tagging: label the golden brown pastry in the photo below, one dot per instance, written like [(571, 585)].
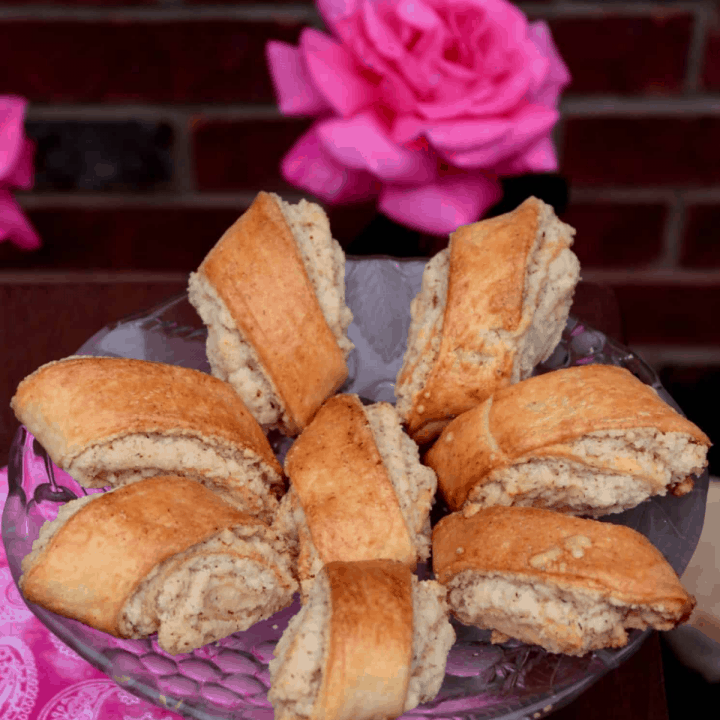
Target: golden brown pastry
[(358, 490), (370, 643), (109, 421), (567, 584), (272, 293), (492, 306), (161, 555), (586, 440)]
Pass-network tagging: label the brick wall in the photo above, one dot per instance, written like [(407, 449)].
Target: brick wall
[(156, 124)]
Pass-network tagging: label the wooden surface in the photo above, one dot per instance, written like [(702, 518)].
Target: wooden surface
[(49, 316)]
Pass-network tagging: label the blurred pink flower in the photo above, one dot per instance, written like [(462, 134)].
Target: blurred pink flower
[(16, 171), (420, 103)]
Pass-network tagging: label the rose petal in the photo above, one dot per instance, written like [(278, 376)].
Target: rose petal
[(351, 32), (418, 14), (294, 89), (557, 76), (537, 64), (382, 37), (485, 143), (333, 11), (308, 166), (504, 97), (538, 158), (396, 94), (445, 107), (442, 207), (451, 70), (393, 88), (525, 126), (388, 44), (362, 143), (23, 175), (334, 71), (12, 135), (14, 226), (461, 136), (406, 128), (501, 11)]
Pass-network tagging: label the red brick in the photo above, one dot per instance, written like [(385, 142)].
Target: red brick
[(242, 2), (153, 239), (701, 246), (81, 3), (650, 151), (199, 61), (49, 321), (670, 314), (711, 61), (348, 221), (616, 235), (622, 55), (243, 155), (597, 305), (160, 239)]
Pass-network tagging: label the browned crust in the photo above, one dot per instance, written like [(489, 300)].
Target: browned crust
[(76, 403), (350, 505), (486, 286), (529, 418), (257, 270), (620, 563), (367, 668), (97, 559)]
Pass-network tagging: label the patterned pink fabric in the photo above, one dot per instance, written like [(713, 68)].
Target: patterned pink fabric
[(41, 678)]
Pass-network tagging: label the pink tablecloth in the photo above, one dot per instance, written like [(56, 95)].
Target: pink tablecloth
[(41, 678)]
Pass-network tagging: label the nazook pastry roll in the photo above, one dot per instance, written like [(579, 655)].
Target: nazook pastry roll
[(358, 490), (492, 306), (164, 555), (109, 421), (567, 584), (272, 294), (371, 642), (586, 440)]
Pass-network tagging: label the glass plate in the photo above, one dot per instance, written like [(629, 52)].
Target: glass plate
[(229, 679)]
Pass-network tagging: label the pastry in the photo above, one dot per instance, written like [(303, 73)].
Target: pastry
[(272, 294), (585, 440), (109, 421), (371, 642), (567, 584), (358, 490), (492, 306), (164, 555)]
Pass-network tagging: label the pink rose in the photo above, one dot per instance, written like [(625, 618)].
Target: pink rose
[(421, 103), (16, 171)]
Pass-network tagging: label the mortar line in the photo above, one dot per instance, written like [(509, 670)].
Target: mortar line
[(64, 277), (150, 111), (306, 12), (571, 106), (672, 234), (260, 12), (183, 158), (663, 355), (604, 106), (630, 195), (676, 277), (571, 9), (696, 51), (101, 201)]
